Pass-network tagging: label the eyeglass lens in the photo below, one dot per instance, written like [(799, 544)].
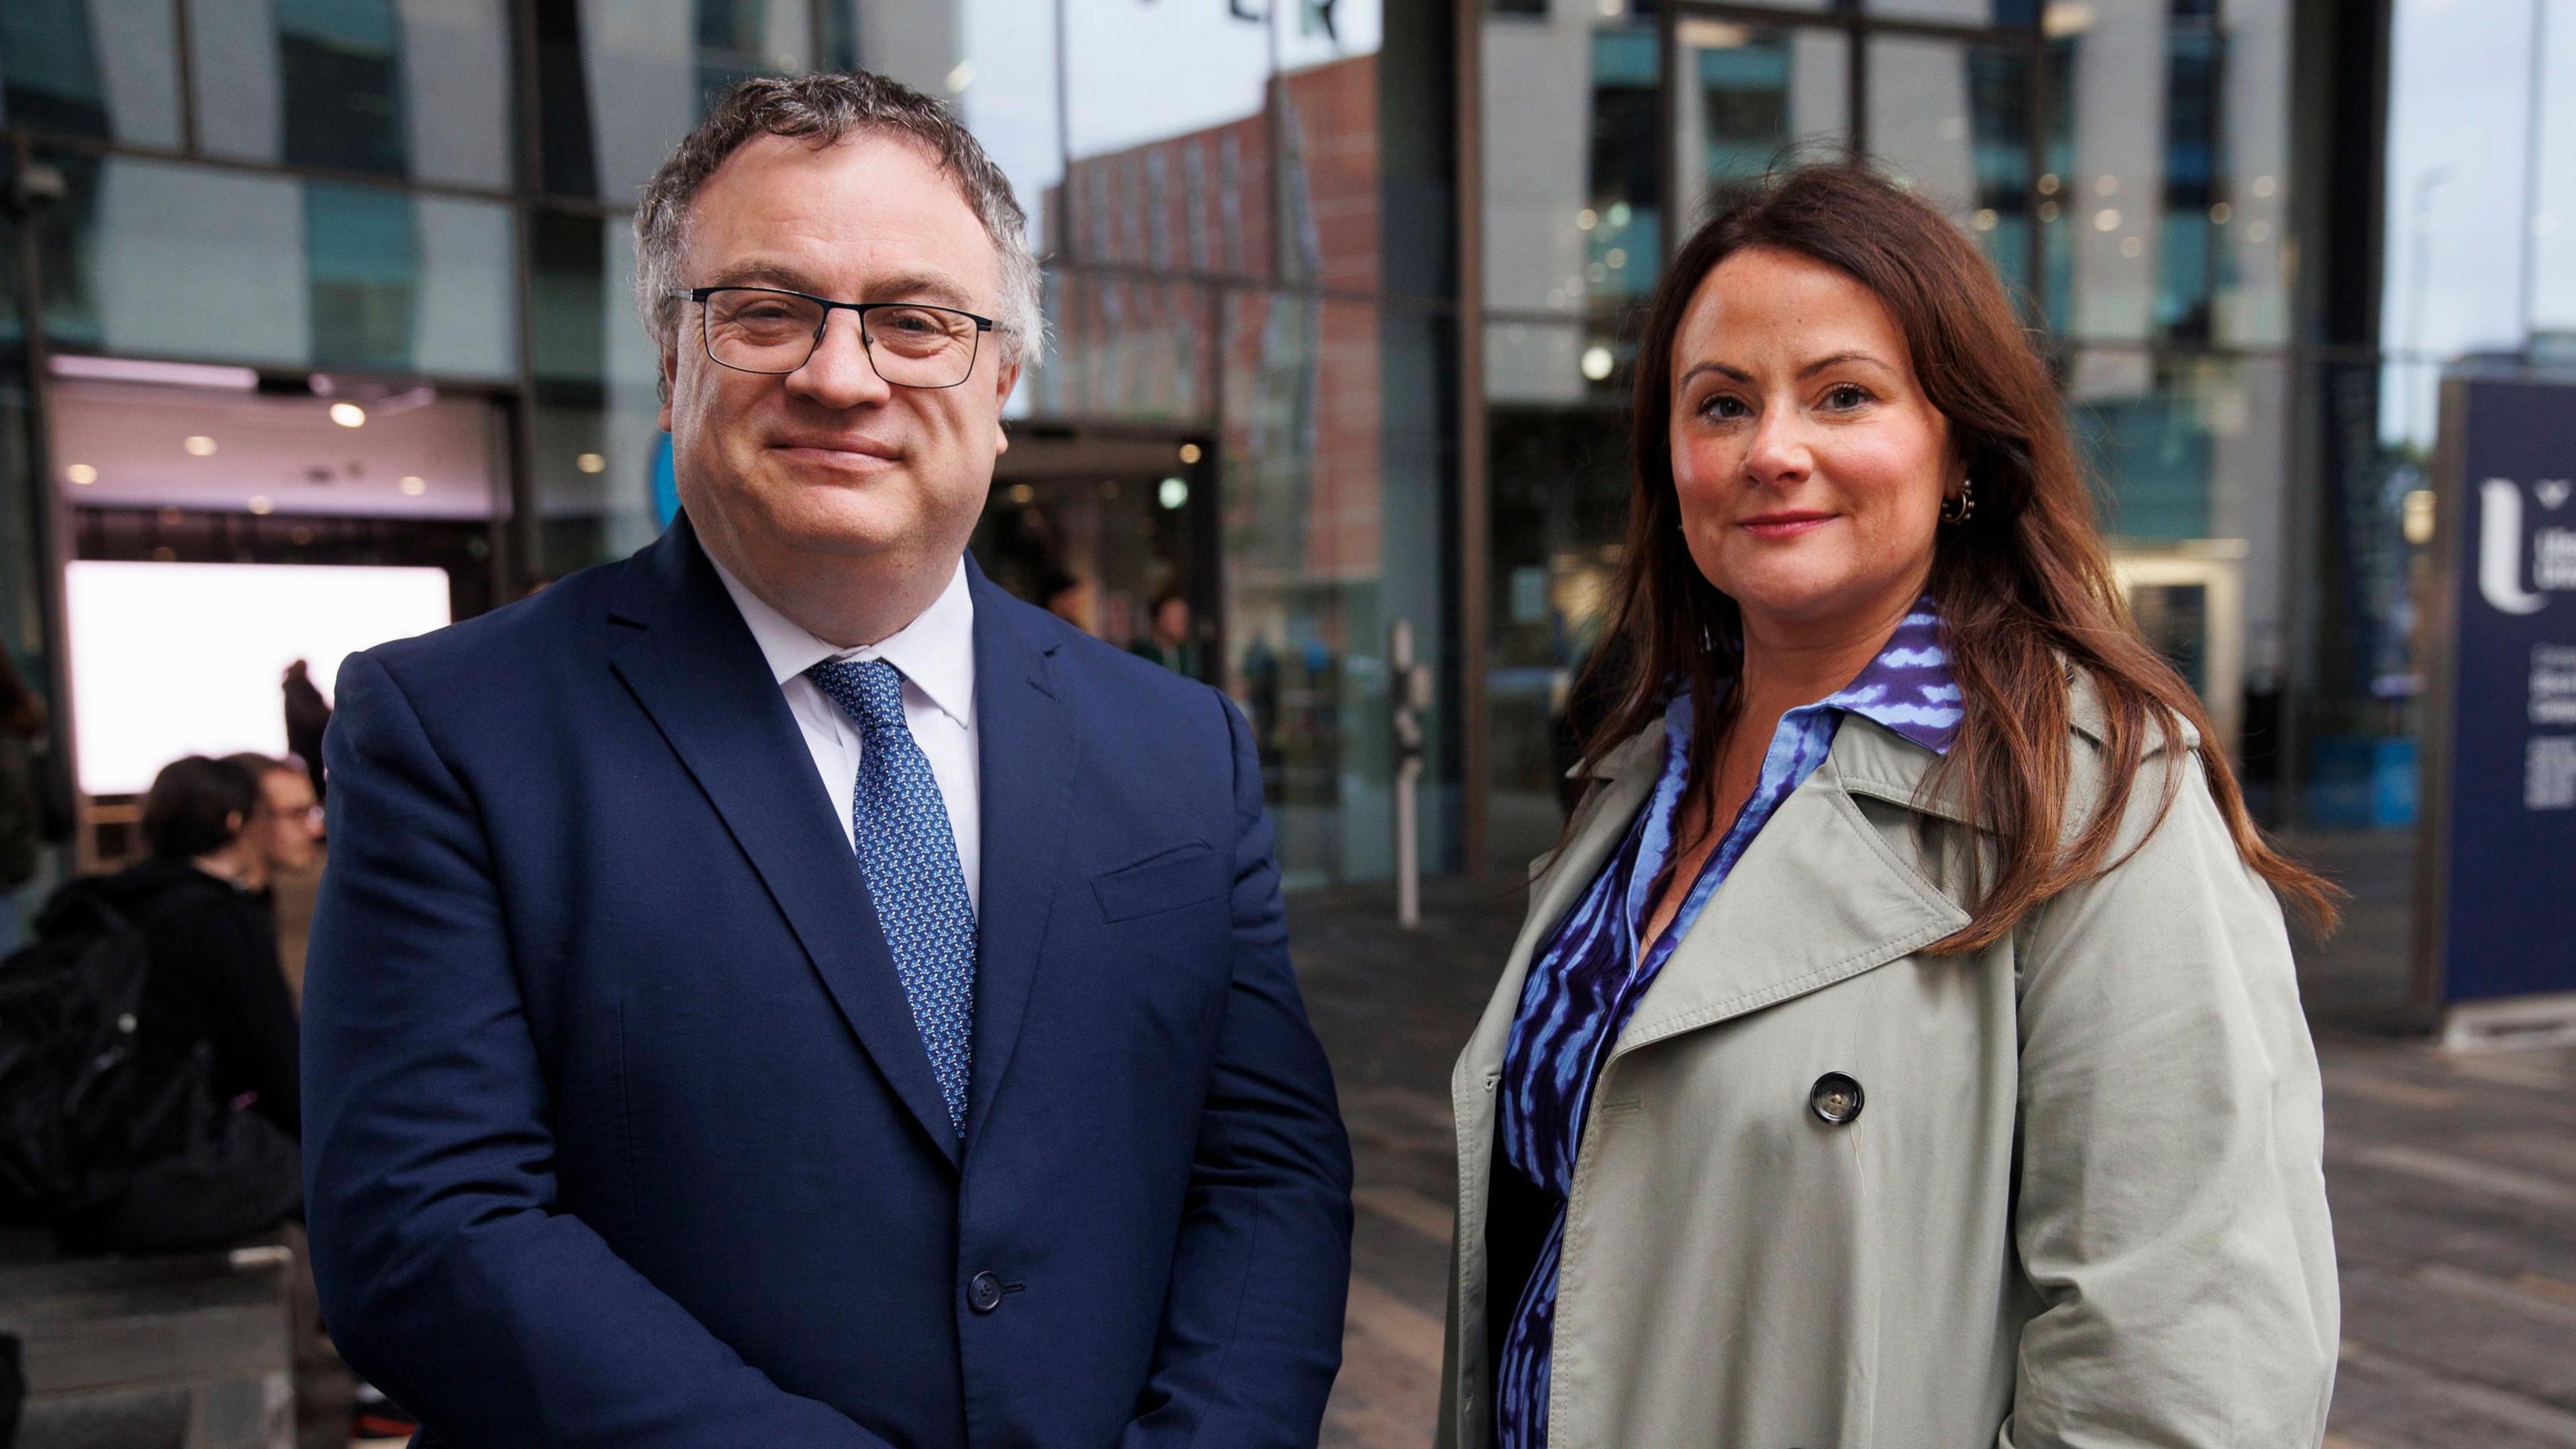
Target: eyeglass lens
[(760, 331)]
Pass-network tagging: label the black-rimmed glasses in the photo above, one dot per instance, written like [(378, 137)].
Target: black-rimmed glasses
[(772, 330)]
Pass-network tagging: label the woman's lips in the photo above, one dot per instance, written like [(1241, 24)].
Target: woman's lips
[(1784, 525)]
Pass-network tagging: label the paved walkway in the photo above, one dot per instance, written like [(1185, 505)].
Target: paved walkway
[(2453, 1178)]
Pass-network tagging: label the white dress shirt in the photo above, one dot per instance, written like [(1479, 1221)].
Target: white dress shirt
[(936, 653)]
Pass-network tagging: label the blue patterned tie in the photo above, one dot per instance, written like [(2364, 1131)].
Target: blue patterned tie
[(909, 857)]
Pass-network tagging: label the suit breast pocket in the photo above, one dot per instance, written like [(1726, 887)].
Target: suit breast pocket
[(1184, 875)]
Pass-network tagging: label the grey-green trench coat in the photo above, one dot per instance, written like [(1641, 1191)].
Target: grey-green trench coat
[(2083, 1202)]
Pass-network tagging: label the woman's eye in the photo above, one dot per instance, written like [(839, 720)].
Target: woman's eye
[(1846, 396), (1724, 406)]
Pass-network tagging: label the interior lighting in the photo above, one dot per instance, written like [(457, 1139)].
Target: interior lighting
[(2106, 185), (2133, 247), (1023, 495), (413, 486), (1985, 219), (2106, 220), (591, 463), (2064, 18), (1190, 453), (1615, 258), (2265, 185), (260, 505), (960, 76), (2221, 212), (2048, 184), (1715, 35), (1619, 213), (1597, 362), (348, 415), (1586, 219), (199, 446), (2048, 211), (1173, 493), (2258, 232), (82, 474), (2417, 516)]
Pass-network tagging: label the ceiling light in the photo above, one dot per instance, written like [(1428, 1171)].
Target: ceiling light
[(591, 463), (1190, 452), (349, 415), (1023, 495), (82, 474), (2106, 219), (166, 374), (413, 486), (259, 504), (1597, 362), (1174, 493), (199, 446)]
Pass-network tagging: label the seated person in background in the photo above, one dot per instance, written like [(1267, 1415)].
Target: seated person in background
[(285, 834), (214, 982)]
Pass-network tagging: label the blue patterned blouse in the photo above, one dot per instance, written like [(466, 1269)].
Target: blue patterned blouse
[(1586, 981)]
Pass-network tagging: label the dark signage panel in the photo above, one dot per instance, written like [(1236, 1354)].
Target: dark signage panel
[(2509, 887)]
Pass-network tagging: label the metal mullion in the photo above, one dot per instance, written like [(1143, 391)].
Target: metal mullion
[(181, 44), (1668, 120), (92, 146), (2034, 49)]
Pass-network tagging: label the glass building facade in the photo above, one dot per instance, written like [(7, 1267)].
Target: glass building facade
[(1341, 296)]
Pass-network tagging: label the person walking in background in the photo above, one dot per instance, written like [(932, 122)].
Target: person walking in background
[(1903, 1047), (1169, 640), (780, 989), (308, 714), (22, 810)]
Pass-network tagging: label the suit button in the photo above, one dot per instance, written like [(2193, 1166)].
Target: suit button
[(1835, 1099), (984, 1294)]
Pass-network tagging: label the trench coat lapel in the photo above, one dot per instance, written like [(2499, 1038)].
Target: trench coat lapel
[(1818, 897), (684, 652)]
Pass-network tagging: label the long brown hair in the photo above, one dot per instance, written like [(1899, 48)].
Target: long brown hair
[(2024, 588)]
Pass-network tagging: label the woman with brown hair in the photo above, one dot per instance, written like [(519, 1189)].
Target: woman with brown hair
[(1903, 1047)]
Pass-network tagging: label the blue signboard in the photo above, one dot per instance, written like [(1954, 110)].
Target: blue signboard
[(2504, 871)]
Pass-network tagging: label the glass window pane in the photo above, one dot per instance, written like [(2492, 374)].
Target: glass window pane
[(2164, 188), (1952, 121), (413, 88), (1752, 97), (1124, 347), (102, 68), (597, 445), (620, 84), (168, 259), (1559, 499), (2190, 455), (1573, 208)]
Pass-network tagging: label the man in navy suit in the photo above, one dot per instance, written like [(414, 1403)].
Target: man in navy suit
[(779, 990)]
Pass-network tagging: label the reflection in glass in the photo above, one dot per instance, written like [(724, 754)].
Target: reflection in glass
[(416, 90), (1125, 348), (1569, 115), (159, 258), (620, 84), (106, 69), (1752, 97), (1559, 501), (595, 434), (1952, 121)]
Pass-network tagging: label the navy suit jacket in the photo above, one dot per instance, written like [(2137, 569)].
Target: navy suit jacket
[(617, 1127)]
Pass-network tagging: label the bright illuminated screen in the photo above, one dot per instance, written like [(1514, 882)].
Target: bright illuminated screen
[(172, 659)]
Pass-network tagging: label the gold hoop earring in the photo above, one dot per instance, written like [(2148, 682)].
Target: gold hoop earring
[(1955, 511)]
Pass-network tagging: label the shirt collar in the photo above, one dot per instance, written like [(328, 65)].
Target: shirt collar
[(936, 651), (1908, 687)]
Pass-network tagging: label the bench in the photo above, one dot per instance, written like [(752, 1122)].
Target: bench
[(190, 1351)]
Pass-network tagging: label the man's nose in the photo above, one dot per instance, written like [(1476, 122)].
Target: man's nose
[(839, 374)]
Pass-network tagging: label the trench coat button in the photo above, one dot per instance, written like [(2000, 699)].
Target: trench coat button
[(984, 1293), (1835, 1099)]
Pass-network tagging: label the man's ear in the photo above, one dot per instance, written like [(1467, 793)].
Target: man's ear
[(1007, 377), (662, 384)]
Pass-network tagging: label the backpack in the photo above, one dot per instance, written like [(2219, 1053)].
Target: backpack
[(80, 1110)]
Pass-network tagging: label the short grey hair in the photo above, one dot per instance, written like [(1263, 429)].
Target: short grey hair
[(824, 108)]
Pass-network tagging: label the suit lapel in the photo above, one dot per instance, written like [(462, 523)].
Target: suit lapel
[(682, 649), (1027, 750)]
